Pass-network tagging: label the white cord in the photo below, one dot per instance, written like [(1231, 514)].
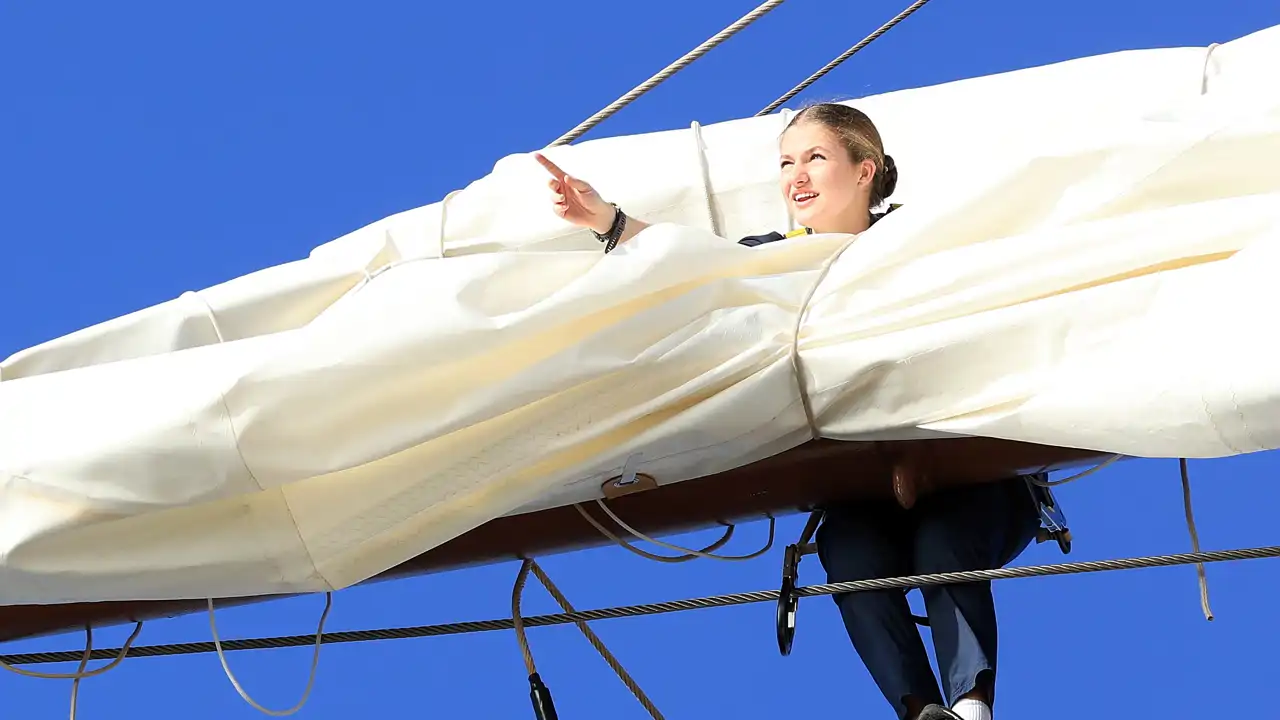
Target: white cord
[(315, 662), (1077, 476), (208, 309), (84, 662), (1195, 538), (705, 168), (728, 533), (444, 214), (79, 674), (689, 551)]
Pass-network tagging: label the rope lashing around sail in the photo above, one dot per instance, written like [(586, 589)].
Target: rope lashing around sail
[(744, 598), (667, 72)]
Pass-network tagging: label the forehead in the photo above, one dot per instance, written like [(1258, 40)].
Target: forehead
[(804, 135)]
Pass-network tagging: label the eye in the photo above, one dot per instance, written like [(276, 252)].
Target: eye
[(785, 163), (817, 156)]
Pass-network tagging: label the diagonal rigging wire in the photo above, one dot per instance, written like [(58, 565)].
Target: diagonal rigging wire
[(667, 72), (758, 596), (532, 565), (843, 56), (689, 57)]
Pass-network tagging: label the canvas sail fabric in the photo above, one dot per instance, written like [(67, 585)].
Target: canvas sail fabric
[(1085, 257)]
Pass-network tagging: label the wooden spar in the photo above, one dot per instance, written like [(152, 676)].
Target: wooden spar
[(817, 472)]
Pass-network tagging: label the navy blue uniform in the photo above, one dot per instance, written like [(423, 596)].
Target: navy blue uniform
[(978, 527), (754, 240)]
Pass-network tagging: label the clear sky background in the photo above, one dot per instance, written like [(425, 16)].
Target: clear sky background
[(149, 148)]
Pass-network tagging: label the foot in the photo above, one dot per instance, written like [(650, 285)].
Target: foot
[(937, 712)]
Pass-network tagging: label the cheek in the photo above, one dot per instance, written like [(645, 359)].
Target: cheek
[(841, 184)]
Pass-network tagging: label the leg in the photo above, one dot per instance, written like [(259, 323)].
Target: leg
[(872, 540), (973, 528)]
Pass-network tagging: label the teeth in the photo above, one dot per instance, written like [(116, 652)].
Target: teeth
[(805, 196)]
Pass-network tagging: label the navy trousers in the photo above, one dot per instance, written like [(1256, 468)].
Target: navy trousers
[(977, 527)]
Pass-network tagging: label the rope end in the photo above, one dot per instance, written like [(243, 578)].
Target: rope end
[(540, 695)]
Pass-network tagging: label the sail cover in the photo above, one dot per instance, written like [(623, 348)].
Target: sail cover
[(1084, 258)]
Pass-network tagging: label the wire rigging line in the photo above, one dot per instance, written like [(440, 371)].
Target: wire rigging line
[(689, 57), (667, 72), (843, 56), (655, 608), (613, 662)]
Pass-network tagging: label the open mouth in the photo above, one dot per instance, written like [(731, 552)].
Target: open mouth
[(803, 199)]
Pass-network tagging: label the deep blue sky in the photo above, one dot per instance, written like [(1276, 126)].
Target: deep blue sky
[(151, 148)]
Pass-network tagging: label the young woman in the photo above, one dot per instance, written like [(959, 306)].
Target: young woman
[(834, 171)]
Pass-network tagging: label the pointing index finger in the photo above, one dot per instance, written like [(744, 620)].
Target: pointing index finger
[(550, 166)]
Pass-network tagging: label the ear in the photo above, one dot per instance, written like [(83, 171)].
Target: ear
[(866, 172)]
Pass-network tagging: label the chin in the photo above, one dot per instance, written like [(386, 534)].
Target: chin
[(806, 219)]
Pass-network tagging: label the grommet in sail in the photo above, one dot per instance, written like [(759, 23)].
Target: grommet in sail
[(629, 481)]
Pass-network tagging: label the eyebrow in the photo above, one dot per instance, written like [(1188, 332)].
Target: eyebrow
[(809, 150)]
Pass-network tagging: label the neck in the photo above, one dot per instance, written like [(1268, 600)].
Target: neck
[(857, 223)]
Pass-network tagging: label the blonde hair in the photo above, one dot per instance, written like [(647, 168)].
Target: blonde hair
[(860, 138)]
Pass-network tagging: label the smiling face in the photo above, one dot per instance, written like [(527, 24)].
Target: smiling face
[(825, 189)]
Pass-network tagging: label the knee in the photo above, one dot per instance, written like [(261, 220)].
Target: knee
[(976, 528), (951, 545), (851, 548)]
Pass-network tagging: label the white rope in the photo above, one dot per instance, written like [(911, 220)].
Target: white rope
[(1077, 476), (667, 72), (689, 551), (705, 169), (84, 662), (208, 309), (444, 213), (728, 533), (80, 673), (1204, 72), (1195, 539), (311, 679), (1202, 579)]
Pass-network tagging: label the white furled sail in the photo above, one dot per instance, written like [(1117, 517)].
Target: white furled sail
[(1084, 259)]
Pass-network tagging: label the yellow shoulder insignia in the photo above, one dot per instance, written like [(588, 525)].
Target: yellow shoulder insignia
[(798, 232)]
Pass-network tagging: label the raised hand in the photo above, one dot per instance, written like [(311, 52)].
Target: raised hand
[(575, 200)]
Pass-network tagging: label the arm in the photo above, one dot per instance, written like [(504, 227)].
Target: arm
[(576, 201), (579, 203)]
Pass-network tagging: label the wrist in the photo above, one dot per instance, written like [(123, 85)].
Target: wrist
[(612, 235), (602, 225)]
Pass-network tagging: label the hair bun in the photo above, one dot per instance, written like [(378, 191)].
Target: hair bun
[(889, 179)]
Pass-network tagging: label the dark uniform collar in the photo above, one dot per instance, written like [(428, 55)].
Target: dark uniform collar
[(874, 219)]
